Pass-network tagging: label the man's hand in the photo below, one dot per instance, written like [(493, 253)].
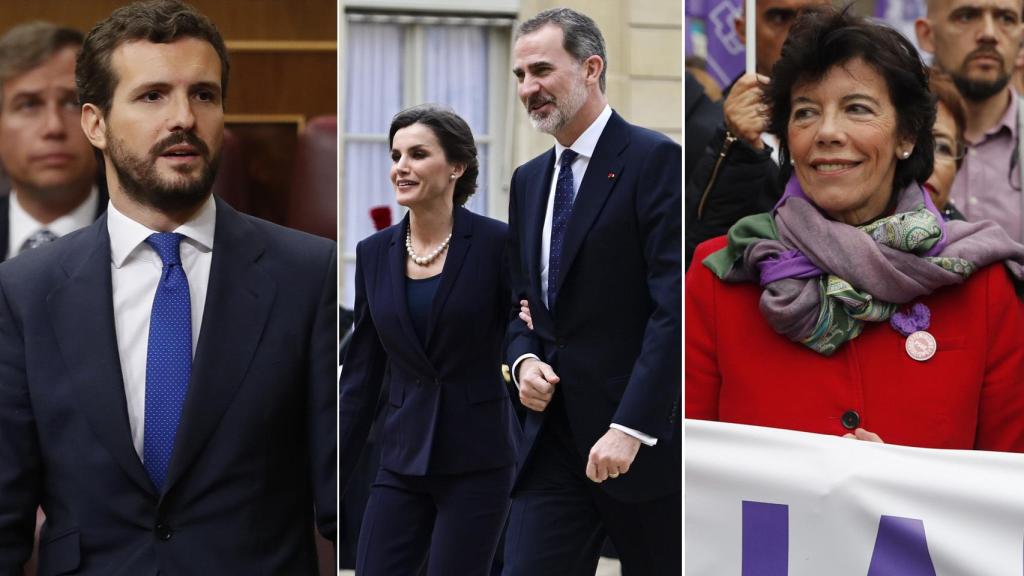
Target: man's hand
[(612, 455), (536, 384), (746, 116)]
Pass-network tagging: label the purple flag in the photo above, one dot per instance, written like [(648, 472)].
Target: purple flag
[(725, 50)]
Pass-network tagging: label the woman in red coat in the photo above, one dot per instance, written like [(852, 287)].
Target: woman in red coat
[(852, 308)]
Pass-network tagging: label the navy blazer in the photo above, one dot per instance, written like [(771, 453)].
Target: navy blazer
[(255, 449), (615, 336), (447, 408)]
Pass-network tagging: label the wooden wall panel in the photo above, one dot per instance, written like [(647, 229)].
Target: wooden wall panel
[(236, 19), (292, 82)]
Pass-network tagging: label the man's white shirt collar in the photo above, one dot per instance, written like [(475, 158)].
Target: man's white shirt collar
[(587, 142), (126, 235), (23, 225)]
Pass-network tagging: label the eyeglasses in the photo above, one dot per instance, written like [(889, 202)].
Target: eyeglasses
[(949, 150)]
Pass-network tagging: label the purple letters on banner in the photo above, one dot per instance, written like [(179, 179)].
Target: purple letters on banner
[(900, 549), (765, 539)]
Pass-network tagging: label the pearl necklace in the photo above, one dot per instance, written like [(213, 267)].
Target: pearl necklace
[(425, 260)]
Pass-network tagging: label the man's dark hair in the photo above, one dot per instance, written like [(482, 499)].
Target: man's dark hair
[(29, 45), (580, 35), (157, 21), (823, 38), (455, 137)]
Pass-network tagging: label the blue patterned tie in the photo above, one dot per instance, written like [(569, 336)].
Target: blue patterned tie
[(168, 359), (559, 219)]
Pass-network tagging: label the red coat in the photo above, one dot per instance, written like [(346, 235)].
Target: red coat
[(970, 394)]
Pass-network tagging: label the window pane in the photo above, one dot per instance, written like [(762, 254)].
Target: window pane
[(366, 184), (373, 70), (455, 71)]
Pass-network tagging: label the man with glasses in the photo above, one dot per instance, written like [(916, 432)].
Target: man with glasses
[(976, 41)]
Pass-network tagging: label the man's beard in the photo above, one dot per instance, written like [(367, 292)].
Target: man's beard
[(139, 178), (980, 90), (564, 110)]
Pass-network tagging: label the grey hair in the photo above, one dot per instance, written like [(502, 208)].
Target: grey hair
[(580, 35)]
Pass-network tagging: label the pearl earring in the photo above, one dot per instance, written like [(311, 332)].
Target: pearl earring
[(905, 155), (452, 177), (792, 162)]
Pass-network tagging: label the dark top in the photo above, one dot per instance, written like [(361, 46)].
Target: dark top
[(419, 297)]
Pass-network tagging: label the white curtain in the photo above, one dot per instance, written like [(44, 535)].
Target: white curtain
[(373, 94), (454, 63)]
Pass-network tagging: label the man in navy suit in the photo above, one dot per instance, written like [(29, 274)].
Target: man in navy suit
[(595, 249), (166, 374)]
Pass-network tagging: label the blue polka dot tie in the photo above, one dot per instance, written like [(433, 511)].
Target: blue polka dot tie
[(168, 358), (559, 219)]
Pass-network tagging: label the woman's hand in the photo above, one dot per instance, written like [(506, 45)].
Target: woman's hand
[(862, 434), (746, 116), (524, 313)]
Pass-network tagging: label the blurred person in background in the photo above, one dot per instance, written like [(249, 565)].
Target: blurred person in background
[(948, 131), (45, 155), (977, 42)]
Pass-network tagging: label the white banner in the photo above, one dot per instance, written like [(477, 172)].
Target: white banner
[(768, 502)]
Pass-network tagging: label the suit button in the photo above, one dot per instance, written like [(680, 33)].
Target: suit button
[(850, 419), (163, 532)]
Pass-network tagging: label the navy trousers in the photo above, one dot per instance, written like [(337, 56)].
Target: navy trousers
[(559, 518), (451, 523)]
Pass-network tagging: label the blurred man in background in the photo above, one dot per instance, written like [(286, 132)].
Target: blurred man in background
[(50, 165)]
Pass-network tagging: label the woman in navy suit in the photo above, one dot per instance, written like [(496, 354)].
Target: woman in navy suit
[(432, 304)]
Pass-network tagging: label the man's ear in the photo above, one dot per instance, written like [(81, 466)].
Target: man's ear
[(94, 125), (593, 65), (925, 35)]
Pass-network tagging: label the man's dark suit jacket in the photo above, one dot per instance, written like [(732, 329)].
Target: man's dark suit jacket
[(255, 448), (5, 217), (615, 335), (447, 409)]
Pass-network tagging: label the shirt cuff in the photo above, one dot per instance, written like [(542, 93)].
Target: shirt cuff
[(515, 367), (643, 438)]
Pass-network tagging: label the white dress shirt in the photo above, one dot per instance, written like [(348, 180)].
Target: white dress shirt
[(583, 146), (135, 269), (21, 224)]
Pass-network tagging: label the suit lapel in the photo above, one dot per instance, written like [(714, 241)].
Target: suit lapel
[(396, 277), (82, 314), (5, 225), (239, 298), (462, 233), (536, 209), (602, 171)]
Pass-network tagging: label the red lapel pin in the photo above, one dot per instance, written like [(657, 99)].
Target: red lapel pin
[(611, 175)]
